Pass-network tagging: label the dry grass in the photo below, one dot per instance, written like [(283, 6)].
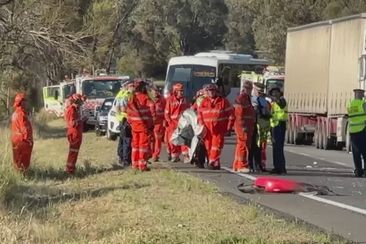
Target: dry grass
[(100, 205)]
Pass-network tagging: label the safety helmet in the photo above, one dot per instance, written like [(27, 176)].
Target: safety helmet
[(212, 87), (138, 82), (178, 87), (18, 99)]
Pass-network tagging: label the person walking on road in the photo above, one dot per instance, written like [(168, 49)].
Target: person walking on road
[(357, 129), (159, 103), (176, 104), (124, 143), (74, 130), (244, 126), (217, 116), (21, 135), (141, 116), (278, 124)]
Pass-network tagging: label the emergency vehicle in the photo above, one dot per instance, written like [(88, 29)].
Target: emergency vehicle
[(54, 97), (97, 89), (205, 67), (274, 77)]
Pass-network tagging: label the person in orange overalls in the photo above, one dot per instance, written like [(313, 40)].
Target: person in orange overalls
[(74, 130), (21, 135), (216, 115), (141, 116), (176, 104), (245, 118), (159, 102)]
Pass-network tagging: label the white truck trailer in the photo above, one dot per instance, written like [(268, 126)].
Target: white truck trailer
[(325, 61)]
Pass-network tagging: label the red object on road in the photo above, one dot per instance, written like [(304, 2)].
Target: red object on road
[(277, 185)]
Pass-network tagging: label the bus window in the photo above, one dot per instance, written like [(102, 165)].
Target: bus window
[(193, 78)]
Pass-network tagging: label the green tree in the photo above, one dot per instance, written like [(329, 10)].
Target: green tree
[(240, 36)]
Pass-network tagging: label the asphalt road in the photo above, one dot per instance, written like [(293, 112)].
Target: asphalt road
[(343, 214)]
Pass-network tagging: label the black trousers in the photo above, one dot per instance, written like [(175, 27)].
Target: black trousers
[(124, 144), (278, 135), (359, 149), (255, 152)]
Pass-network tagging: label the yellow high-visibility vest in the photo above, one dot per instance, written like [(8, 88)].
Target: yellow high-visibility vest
[(356, 116), (278, 114)]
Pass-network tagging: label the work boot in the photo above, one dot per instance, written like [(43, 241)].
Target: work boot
[(186, 159), (358, 173), (175, 159)]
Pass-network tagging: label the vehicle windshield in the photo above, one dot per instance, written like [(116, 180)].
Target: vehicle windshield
[(193, 77), (274, 83), (107, 105), (101, 88), (68, 90)]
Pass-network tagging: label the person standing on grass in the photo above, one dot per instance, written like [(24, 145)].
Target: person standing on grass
[(21, 135), (141, 117), (125, 137), (74, 130)]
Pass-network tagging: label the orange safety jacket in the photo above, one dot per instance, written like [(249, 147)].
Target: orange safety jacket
[(174, 108), (20, 126), (140, 112), (159, 109), (245, 115), (216, 114)]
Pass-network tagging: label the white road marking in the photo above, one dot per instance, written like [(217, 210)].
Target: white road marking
[(309, 196), (305, 154), (334, 203), (340, 163), (248, 176)]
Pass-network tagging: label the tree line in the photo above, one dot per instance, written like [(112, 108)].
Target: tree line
[(42, 40)]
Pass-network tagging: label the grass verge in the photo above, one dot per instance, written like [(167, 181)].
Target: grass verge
[(102, 205)]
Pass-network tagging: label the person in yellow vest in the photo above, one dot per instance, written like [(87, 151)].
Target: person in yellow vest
[(357, 124), (278, 124), (125, 138)]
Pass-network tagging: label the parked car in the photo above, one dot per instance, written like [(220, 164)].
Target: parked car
[(101, 116), (113, 124)]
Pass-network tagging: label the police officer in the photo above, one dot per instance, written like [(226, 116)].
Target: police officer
[(357, 123), (262, 130), (278, 125), (124, 144)]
